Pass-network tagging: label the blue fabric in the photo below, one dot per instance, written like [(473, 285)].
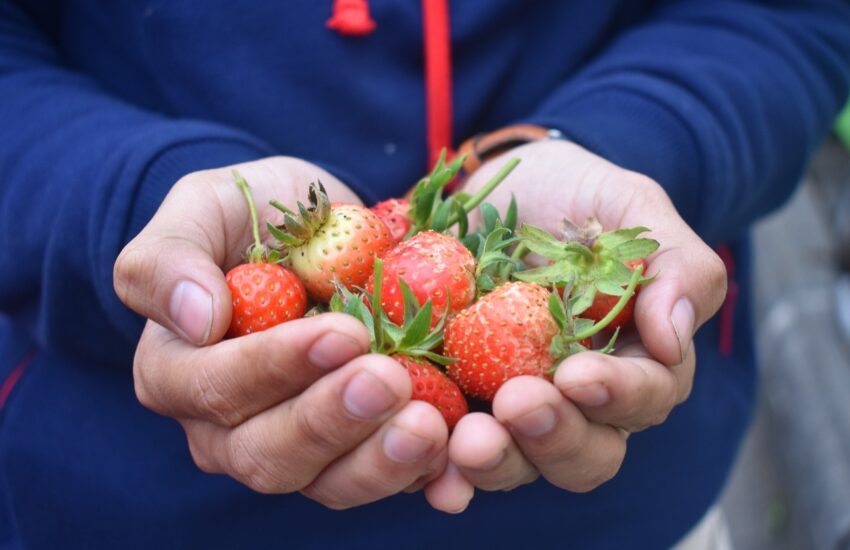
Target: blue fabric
[(104, 105)]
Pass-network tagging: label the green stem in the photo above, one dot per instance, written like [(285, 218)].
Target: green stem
[(257, 251), (621, 303), (378, 274), (482, 193)]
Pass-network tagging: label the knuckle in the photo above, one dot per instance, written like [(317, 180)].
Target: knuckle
[(317, 431), (128, 271), (208, 397), (249, 467), (200, 458), (141, 386), (327, 499)]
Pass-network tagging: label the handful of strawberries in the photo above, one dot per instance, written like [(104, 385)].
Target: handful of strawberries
[(461, 310)]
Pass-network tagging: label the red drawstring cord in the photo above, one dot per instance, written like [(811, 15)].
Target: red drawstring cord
[(727, 310), (351, 18), (12, 379), (438, 77)]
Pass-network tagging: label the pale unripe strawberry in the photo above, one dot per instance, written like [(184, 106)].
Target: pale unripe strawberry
[(332, 244)]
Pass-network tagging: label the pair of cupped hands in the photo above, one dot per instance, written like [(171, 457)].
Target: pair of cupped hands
[(303, 407)]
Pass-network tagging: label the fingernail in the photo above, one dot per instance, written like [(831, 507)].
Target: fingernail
[(589, 395), (367, 397), (682, 319), (334, 349), (404, 447), (535, 423), (191, 311)]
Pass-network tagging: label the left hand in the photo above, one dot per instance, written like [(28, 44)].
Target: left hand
[(573, 430)]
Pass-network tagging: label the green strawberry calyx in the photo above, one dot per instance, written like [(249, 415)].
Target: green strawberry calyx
[(414, 338), (429, 209), (573, 329), (257, 252), (489, 245), (590, 261), (298, 228)]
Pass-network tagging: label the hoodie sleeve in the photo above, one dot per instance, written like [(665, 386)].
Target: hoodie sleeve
[(721, 102), (81, 173)]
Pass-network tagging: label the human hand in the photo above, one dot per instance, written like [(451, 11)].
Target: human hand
[(298, 407), (573, 431)]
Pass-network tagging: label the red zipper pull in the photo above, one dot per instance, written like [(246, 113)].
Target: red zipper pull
[(351, 18)]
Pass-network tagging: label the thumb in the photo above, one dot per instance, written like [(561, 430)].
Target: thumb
[(176, 283), (688, 289), (170, 271)]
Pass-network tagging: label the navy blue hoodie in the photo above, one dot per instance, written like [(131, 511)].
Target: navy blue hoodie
[(104, 105)]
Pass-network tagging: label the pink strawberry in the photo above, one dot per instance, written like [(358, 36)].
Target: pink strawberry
[(436, 267), (506, 333), (393, 212), (331, 244)]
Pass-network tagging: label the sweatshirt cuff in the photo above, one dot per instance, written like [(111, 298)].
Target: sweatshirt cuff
[(177, 161), (636, 133)]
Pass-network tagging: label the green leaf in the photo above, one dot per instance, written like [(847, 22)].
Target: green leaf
[(435, 358), (473, 243), (541, 242), (612, 239), (556, 308), (418, 328), (282, 236), (615, 272), (490, 216), (609, 347), (635, 250), (607, 287), (336, 304), (582, 324), (441, 217), (485, 283), (411, 304), (562, 271), (511, 214), (462, 218), (581, 298)]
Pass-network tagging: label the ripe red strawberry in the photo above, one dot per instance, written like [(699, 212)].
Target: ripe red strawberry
[(603, 303), (393, 212), (411, 342), (264, 292), (264, 295), (331, 244), (506, 333), (436, 267), (431, 385)]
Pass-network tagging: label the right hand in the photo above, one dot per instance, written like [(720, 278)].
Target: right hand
[(298, 407)]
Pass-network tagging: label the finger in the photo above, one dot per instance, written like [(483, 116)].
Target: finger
[(554, 436), (408, 447), (450, 492), (629, 390), (236, 379), (283, 449), (171, 271), (689, 283), (486, 455)]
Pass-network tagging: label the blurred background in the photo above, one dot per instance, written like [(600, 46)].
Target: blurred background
[(791, 485)]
